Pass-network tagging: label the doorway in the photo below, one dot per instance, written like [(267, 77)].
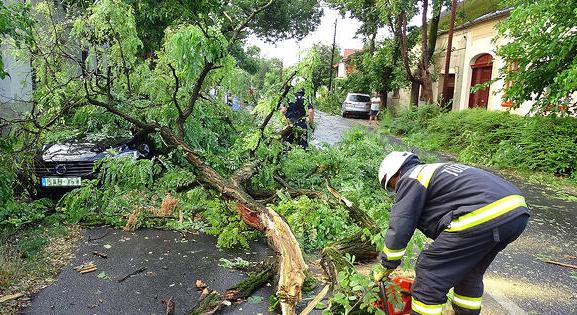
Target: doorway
[(482, 72)]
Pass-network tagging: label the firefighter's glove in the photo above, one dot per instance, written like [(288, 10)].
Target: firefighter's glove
[(378, 275)]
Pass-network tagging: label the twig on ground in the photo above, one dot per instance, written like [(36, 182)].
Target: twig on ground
[(169, 304), (560, 264), (99, 254), (100, 237), (142, 269)]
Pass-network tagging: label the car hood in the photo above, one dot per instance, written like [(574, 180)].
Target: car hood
[(62, 152)]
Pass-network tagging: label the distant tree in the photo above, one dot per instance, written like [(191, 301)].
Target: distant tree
[(541, 54), (366, 11), (322, 70), (399, 13)]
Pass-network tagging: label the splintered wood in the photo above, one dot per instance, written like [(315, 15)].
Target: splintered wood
[(291, 263), (86, 268)]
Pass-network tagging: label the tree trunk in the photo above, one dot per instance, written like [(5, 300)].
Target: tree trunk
[(383, 96), (291, 265), (426, 86), (415, 92)]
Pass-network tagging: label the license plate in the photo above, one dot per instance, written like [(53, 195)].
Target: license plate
[(61, 181)]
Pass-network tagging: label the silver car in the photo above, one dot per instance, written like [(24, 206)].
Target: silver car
[(356, 104)]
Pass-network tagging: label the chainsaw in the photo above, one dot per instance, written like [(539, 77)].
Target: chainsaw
[(404, 307)]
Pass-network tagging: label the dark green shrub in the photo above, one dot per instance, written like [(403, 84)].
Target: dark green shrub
[(500, 139), (413, 119)]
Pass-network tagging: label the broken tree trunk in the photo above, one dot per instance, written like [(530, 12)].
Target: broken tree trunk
[(215, 301), (291, 264)]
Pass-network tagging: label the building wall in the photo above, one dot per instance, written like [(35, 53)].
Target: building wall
[(468, 44), (16, 89)]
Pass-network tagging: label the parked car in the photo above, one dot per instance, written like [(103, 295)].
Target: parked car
[(60, 167), (356, 104)]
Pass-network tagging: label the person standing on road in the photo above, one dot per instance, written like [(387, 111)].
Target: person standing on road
[(296, 130), (470, 214), (375, 107)]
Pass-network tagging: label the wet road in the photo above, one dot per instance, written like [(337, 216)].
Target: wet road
[(519, 281), (173, 263)]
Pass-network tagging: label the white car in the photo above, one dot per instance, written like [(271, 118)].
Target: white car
[(356, 104)]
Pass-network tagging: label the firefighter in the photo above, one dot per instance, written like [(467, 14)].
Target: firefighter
[(296, 131), (470, 214)]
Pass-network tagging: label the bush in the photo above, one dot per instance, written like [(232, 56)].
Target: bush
[(330, 102), (500, 139), (413, 119)]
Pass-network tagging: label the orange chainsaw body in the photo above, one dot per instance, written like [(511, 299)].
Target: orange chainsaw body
[(405, 285)]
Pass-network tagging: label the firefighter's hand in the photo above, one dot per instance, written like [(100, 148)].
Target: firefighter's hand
[(378, 275)]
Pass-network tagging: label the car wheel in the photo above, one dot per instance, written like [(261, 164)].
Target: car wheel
[(344, 114)]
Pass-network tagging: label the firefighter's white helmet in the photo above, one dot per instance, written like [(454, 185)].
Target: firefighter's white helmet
[(391, 165)]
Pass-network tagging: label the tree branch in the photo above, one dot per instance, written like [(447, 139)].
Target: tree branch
[(285, 88), (174, 94), (403, 41), (244, 23)]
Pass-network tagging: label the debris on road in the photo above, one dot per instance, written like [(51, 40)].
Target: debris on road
[(200, 284), (9, 297), (169, 304), (560, 264), (132, 220), (99, 254), (142, 269), (103, 275), (86, 268), (316, 300)]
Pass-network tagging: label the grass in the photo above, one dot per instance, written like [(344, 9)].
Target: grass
[(31, 258)]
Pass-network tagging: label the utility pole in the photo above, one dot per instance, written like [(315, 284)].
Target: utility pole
[(449, 49), (333, 57)]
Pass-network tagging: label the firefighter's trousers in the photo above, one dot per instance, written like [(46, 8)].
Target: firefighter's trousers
[(459, 260)]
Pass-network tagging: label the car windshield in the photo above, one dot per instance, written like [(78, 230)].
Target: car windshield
[(359, 98)]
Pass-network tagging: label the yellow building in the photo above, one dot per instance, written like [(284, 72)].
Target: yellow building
[(473, 61)]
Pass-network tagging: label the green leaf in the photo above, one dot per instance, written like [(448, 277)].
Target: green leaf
[(255, 299)]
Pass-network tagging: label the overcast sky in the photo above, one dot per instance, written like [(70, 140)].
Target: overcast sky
[(290, 50)]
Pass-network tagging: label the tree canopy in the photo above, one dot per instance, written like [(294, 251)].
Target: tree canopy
[(541, 53)]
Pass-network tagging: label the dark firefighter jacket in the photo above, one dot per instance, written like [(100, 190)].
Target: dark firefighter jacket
[(452, 198)]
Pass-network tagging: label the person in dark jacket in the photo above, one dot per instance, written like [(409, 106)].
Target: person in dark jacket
[(470, 214), (295, 112)]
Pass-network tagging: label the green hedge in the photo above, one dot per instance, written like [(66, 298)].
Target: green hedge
[(499, 139)]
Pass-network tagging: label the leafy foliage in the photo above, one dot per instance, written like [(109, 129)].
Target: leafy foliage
[(540, 41), (15, 24), (499, 139), (414, 119)]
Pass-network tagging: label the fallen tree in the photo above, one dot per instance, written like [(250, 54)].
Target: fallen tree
[(168, 98)]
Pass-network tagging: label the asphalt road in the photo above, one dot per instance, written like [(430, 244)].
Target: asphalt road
[(173, 263)]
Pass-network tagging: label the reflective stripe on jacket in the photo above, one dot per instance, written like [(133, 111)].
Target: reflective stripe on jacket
[(451, 198)]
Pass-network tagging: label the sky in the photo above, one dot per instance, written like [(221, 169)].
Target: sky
[(290, 51)]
